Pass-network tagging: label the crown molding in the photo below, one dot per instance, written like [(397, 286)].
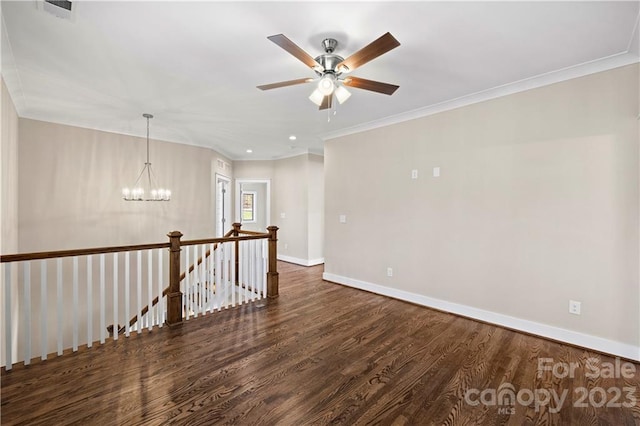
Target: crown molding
[(569, 73)]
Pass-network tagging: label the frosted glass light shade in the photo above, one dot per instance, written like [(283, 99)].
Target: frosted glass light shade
[(327, 84), (316, 97), (342, 94)]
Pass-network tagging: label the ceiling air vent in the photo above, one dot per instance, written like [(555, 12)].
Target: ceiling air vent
[(60, 3), (60, 8)]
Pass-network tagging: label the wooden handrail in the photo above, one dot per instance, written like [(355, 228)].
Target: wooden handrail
[(253, 233), (77, 252), (224, 240)]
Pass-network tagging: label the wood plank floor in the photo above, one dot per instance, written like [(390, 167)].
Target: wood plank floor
[(320, 354)]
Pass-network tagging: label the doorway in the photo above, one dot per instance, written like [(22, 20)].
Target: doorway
[(223, 205), (253, 204)]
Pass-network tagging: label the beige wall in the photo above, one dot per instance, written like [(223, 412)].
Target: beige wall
[(537, 203), (8, 200), (290, 198), (297, 191), (9, 174), (315, 188), (70, 182)]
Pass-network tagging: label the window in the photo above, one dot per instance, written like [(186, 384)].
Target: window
[(248, 206)]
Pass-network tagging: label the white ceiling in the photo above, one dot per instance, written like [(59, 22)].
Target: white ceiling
[(196, 65)]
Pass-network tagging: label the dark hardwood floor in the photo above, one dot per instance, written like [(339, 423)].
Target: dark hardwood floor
[(320, 354)]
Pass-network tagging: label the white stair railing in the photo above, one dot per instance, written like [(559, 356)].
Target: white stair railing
[(212, 284), (57, 301)]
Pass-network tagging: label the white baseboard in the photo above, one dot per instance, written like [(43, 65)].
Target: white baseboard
[(568, 336), (303, 262)]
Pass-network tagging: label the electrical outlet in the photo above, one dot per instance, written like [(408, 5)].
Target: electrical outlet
[(343, 218), (389, 272), (414, 174), (286, 246), (574, 307)]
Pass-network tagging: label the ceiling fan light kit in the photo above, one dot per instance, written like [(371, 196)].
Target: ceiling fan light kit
[(329, 67)]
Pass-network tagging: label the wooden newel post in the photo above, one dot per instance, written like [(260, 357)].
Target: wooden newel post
[(236, 233), (174, 296), (272, 274)]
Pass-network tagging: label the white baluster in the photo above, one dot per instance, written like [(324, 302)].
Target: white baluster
[(254, 272), (196, 282), (203, 280), (76, 320), (218, 276), (265, 250), (159, 306), (115, 296), (186, 296), (127, 293), (27, 312), (8, 343), (228, 297), (43, 309), (242, 278), (259, 269), (150, 289), (102, 301), (211, 283), (59, 304), (89, 301), (243, 271), (233, 278), (198, 274), (139, 293)]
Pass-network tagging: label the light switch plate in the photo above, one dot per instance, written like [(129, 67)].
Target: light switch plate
[(343, 218), (414, 174), (436, 172)]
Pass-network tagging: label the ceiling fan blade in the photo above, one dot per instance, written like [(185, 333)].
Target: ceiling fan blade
[(284, 83), (374, 86), (326, 102), (294, 49), (371, 51)]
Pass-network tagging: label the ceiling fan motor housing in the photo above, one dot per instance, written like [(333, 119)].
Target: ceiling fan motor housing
[(329, 62)]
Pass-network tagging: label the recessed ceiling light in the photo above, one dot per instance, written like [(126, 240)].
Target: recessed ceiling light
[(249, 151), (292, 138)]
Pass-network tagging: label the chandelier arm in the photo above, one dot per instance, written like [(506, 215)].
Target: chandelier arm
[(135, 185), (152, 177), (148, 165)]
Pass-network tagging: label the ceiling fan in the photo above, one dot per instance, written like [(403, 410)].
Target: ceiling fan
[(331, 69)]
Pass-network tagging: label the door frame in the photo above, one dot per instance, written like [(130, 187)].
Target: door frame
[(226, 207), (267, 200)]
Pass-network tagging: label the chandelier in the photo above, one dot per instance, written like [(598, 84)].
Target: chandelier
[(145, 188)]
